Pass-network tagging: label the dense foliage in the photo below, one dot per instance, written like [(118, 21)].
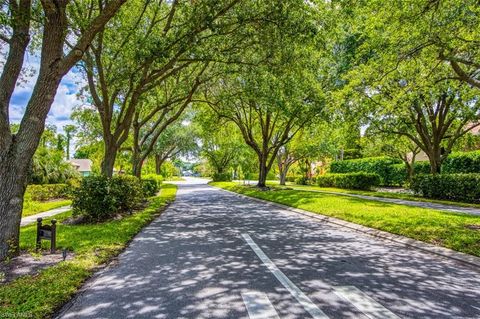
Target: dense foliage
[(458, 187), (364, 181), (382, 166), (150, 187), (47, 192), (99, 197), (222, 177), (466, 162)]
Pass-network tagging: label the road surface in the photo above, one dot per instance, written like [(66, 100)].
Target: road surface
[(215, 255)]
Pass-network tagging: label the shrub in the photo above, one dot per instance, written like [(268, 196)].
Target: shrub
[(222, 177), (150, 187), (128, 191), (382, 166), (422, 167), (292, 178), (99, 198), (364, 181), (157, 177), (301, 180), (47, 192), (459, 187), (462, 162)]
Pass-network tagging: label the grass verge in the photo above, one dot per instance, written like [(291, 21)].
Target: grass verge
[(375, 194), (175, 179), (93, 244), (455, 231), (32, 207)]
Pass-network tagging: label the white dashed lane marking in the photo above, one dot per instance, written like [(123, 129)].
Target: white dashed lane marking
[(364, 303), (303, 299), (259, 306)]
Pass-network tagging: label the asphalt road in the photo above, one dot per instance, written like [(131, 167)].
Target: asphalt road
[(215, 255)]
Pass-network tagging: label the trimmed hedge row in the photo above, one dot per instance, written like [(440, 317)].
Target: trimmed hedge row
[(222, 177), (363, 181), (458, 187), (464, 162), (150, 187), (46, 192), (99, 197), (382, 166)]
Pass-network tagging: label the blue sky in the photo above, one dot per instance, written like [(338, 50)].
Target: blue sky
[(65, 99)]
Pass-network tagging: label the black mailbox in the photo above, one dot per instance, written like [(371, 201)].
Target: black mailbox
[(47, 232)]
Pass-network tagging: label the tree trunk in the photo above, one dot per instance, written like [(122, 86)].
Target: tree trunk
[(158, 164), (435, 159), (109, 157), (12, 189), (137, 164), (283, 177), (262, 175)]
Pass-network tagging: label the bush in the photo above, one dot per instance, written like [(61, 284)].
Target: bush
[(301, 180), (364, 181), (156, 177), (47, 192), (462, 162), (382, 166), (458, 187), (422, 167), (222, 177), (292, 178), (99, 198), (150, 187)]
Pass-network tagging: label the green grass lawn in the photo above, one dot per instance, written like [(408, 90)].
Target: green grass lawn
[(32, 207), (175, 179), (373, 193), (440, 228), (93, 244)]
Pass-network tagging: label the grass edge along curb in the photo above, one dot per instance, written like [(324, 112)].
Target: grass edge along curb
[(464, 258), (44, 294)]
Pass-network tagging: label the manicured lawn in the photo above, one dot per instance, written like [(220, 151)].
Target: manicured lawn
[(440, 228), (373, 193), (39, 296), (175, 179), (32, 207)]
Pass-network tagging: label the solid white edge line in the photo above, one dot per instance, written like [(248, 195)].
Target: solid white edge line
[(303, 299), (371, 308), (259, 306)]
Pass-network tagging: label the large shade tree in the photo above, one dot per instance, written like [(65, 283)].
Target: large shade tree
[(61, 46)]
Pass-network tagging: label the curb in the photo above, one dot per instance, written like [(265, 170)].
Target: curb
[(408, 242)]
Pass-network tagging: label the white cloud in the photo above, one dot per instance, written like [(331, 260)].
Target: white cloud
[(65, 99)]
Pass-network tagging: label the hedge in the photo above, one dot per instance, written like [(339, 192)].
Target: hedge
[(364, 181), (150, 187), (462, 162), (222, 177), (382, 166), (457, 187), (99, 197), (47, 192)]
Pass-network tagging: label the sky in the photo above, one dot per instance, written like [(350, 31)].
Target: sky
[(65, 99)]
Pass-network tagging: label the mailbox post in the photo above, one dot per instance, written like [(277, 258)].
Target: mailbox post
[(47, 232)]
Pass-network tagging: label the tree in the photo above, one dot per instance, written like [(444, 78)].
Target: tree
[(70, 130), (178, 139), (17, 150), (161, 109), (159, 41), (220, 147), (401, 82)]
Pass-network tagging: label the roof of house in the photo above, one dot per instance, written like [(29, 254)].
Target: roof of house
[(82, 165)]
